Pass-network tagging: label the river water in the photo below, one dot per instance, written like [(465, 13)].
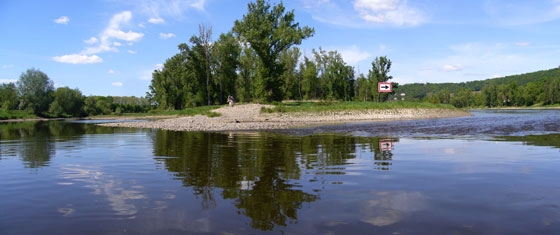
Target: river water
[(495, 172)]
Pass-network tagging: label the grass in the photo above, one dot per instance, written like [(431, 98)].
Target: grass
[(203, 110), (346, 106), (15, 114)]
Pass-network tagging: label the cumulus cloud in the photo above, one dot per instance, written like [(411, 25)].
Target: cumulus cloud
[(109, 39), (78, 59), (92, 40), (156, 20), (62, 20), (394, 12), (114, 32), (166, 35), (365, 13), (117, 84)]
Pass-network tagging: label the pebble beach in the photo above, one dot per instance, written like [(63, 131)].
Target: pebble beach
[(247, 117)]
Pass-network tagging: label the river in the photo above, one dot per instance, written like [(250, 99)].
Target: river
[(495, 172)]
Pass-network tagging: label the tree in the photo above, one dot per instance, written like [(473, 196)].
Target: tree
[(310, 79), (202, 49), (362, 88), (35, 89), (167, 88), (246, 82), (67, 102), (463, 98), (226, 59), (552, 91), (8, 96), (379, 72), (289, 60), (269, 32), (490, 94), (335, 76)]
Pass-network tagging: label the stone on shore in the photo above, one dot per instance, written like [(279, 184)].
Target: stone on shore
[(249, 117)]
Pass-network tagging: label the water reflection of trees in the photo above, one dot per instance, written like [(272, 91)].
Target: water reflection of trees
[(34, 142), (259, 172)]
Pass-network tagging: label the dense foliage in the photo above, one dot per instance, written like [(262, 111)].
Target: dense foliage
[(35, 94), (537, 88), (258, 62)]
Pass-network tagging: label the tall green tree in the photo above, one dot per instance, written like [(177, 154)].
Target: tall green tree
[(36, 91), (246, 85), (379, 72), (8, 96), (289, 60), (335, 76), (167, 88), (202, 51), (310, 79), (269, 31), (362, 89), (226, 62)]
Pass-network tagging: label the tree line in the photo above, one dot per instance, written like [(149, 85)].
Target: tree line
[(258, 61), (537, 88), (34, 92)]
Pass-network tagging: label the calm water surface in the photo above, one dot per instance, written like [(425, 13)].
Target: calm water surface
[(493, 173)]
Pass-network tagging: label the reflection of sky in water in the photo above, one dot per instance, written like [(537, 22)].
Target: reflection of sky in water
[(118, 194)]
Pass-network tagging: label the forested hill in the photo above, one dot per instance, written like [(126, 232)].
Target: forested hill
[(418, 91)]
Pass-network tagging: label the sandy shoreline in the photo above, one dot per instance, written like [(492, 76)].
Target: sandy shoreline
[(248, 117)]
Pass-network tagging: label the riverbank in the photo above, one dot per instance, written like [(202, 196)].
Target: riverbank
[(249, 117)]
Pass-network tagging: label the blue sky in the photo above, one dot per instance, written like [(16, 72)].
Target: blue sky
[(111, 47)]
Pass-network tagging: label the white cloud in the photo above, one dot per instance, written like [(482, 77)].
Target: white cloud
[(522, 44), (394, 12), (8, 80), (156, 20), (111, 71), (108, 40), (452, 67), (117, 84), (131, 52), (365, 13), (92, 40), (167, 8), (62, 20), (353, 55), (114, 32), (78, 59), (166, 35), (7, 66)]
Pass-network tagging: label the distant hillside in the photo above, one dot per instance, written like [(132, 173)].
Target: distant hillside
[(418, 91)]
